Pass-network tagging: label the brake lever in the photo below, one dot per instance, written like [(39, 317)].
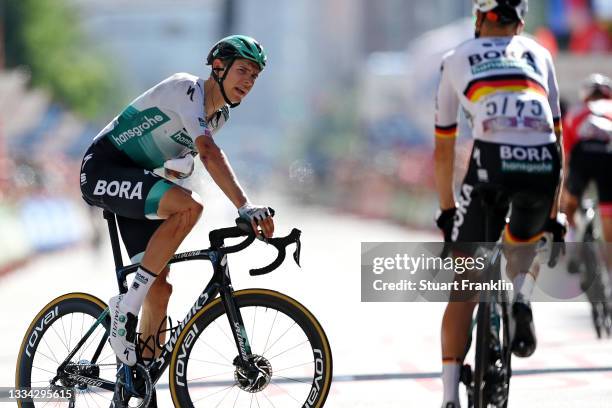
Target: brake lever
[(281, 244)]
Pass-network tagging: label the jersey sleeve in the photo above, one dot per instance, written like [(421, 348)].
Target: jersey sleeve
[(447, 104), (553, 95)]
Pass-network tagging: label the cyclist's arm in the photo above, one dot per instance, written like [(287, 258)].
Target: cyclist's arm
[(216, 163), (553, 99), (188, 101), (447, 105)]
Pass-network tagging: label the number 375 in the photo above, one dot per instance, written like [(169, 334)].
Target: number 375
[(495, 108)]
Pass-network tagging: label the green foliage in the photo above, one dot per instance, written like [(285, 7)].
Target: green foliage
[(45, 36)]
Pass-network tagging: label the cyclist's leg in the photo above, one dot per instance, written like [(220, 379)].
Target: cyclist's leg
[(468, 228), (532, 201), (530, 211), (604, 193), (136, 235), (180, 209), (576, 183)]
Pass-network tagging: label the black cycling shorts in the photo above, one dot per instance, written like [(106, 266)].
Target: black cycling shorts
[(591, 160), (110, 180), (526, 179)]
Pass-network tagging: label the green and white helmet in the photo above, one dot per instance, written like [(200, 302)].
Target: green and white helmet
[(229, 49), (238, 46)]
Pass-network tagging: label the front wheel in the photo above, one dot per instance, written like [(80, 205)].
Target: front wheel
[(290, 352)]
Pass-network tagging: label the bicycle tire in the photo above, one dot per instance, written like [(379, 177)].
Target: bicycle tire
[(44, 332), (483, 331), (184, 365), (506, 344)]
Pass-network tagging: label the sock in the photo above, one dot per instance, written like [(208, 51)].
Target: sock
[(451, 372), (523, 287), (134, 298)]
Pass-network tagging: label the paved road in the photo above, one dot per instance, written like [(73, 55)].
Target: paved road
[(385, 355)]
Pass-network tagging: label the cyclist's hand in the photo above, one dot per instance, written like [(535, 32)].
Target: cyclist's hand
[(260, 216), (444, 221), (557, 227)]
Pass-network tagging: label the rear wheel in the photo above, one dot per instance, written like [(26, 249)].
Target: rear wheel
[(291, 356), (53, 334)]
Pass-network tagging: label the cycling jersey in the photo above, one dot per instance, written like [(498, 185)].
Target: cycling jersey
[(590, 121), (589, 147), (163, 122), (506, 87)]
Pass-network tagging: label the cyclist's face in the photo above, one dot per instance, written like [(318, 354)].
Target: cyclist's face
[(240, 79)]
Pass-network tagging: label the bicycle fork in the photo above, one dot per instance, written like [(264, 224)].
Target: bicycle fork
[(237, 325)]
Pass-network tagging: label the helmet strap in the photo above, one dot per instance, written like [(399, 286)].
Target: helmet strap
[(220, 81)]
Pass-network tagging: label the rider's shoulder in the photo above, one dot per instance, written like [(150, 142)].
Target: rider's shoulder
[(181, 78), (531, 44), (462, 49)]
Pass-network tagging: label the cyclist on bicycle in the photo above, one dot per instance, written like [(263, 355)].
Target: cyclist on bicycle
[(167, 126), (506, 85), (587, 142)]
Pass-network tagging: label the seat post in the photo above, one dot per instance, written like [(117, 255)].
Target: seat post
[(114, 237)]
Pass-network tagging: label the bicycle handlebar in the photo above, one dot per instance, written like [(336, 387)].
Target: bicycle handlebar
[(243, 229)]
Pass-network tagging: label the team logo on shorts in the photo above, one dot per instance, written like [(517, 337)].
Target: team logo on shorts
[(123, 189)]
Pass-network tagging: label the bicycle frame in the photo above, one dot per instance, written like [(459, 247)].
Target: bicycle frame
[(219, 284)]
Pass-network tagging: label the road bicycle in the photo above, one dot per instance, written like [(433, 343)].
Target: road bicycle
[(247, 348), (589, 264)]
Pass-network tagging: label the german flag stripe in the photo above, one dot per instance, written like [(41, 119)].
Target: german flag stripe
[(511, 239), (486, 86), (557, 123), (446, 132)]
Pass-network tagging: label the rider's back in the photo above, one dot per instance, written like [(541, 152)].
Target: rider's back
[(507, 88)]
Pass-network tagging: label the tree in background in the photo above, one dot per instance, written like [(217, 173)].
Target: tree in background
[(45, 37)]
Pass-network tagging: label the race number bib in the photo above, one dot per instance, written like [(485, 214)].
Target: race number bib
[(512, 112)]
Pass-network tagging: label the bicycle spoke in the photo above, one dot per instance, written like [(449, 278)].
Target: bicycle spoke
[(252, 337), (47, 357), (191, 359), (70, 336), (291, 379), (91, 340), (216, 323), (215, 393), (266, 397), (215, 350), (285, 391), (295, 366), (224, 397), (42, 369), (289, 349), (280, 337), (58, 336), (51, 350), (236, 400), (213, 375), (271, 328)]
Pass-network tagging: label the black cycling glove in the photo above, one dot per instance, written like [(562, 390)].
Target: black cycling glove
[(557, 227), (444, 221)]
